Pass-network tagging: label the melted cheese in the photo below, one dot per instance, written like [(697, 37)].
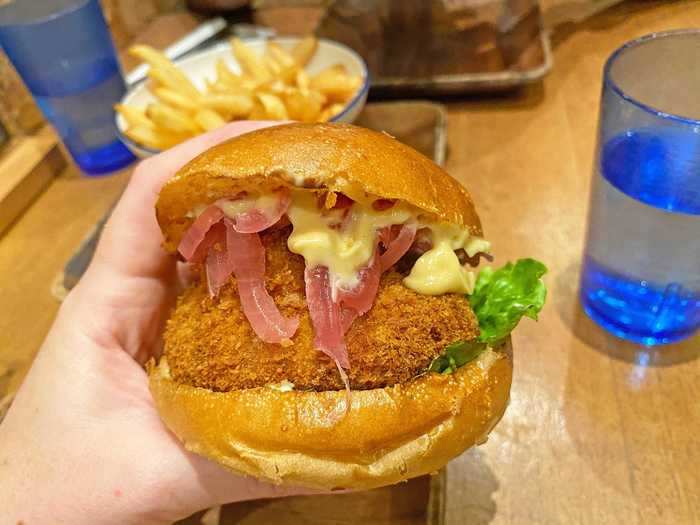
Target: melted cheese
[(267, 203), (344, 252), (438, 271), (283, 386), (317, 237)]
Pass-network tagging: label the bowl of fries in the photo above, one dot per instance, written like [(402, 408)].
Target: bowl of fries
[(302, 79)]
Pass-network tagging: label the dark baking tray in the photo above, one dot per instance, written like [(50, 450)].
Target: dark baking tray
[(428, 47)]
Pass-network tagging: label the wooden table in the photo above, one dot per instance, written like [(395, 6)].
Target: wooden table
[(598, 431)]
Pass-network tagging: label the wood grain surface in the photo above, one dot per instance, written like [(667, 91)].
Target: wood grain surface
[(598, 431), (28, 165)]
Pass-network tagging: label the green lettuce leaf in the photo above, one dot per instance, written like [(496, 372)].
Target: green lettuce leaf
[(502, 297), (456, 355)]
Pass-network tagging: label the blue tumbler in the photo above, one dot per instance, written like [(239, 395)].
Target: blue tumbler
[(63, 51), (641, 268)]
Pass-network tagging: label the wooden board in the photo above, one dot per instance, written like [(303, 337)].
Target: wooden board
[(26, 168), (416, 502)]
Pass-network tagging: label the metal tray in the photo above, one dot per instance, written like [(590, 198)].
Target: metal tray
[(468, 82), (427, 47)]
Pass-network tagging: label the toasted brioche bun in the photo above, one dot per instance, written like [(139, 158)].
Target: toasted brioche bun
[(302, 438), (338, 157), (308, 438)]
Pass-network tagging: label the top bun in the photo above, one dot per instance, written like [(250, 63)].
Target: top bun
[(338, 157)]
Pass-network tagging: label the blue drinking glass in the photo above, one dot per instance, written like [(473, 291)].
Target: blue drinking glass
[(63, 51), (641, 267)]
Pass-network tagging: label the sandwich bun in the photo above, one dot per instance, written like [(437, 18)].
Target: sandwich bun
[(305, 438), (337, 157)]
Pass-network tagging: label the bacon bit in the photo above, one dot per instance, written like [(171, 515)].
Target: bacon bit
[(331, 200), (383, 204), (342, 201), (473, 261), (326, 200), (424, 241), (396, 246), (218, 265), (247, 258), (325, 315), (257, 220), (196, 233)]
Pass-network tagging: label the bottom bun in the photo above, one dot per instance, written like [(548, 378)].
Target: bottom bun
[(306, 438)]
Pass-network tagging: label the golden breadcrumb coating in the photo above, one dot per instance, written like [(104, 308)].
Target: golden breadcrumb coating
[(210, 344)]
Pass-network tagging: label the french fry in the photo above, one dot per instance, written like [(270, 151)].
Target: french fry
[(175, 99), (258, 112), (274, 108), (134, 116), (150, 55), (235, 105), (302, 107), (325, 115), (276, 87), (171, 119), (226, 76), (167, 73), (279, 55), (273, 67), (171, 79), (208, 119), (337, 86), (304, 50), (218, 87), (318, 97), (153, 138), (250, 84), (330, 112), (302, 80), (250, 62), (288, 75), (335, 109)]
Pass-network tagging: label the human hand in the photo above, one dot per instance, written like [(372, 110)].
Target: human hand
[(82, 442)]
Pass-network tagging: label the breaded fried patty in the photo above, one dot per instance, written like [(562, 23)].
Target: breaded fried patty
[(210, 344)]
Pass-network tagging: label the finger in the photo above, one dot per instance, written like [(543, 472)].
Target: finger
[(219, 486), (130, 243)]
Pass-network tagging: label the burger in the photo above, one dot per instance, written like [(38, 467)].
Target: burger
[(341, 334)]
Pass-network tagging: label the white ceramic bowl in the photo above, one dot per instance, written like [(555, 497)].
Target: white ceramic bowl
[(202, 65)]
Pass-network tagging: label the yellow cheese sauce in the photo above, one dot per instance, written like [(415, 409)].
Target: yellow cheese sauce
[(267, 203), (437, 271), (317, 237), (343, 252)]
